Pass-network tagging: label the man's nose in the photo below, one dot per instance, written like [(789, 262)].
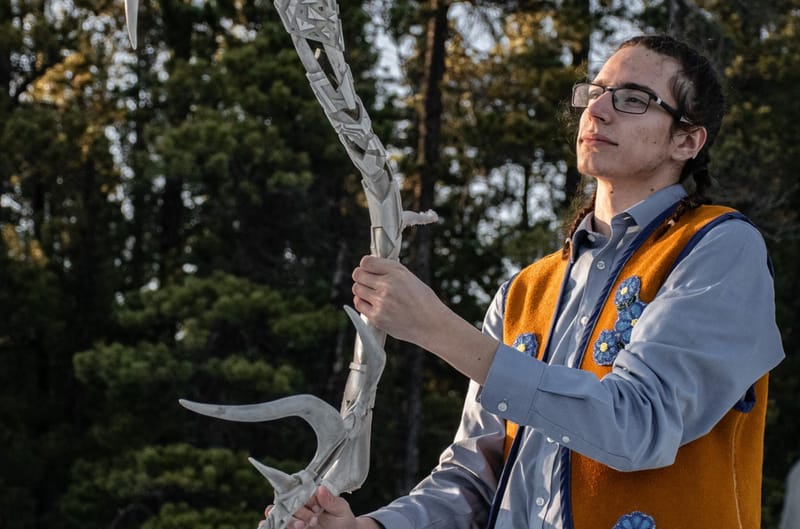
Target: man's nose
[(603, 106)]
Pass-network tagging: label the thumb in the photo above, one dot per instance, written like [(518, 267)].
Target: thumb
[(333, 505)]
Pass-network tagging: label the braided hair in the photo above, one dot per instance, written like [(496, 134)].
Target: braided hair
[(698, 91)]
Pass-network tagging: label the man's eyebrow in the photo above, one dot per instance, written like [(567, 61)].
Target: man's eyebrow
[(638, 87), (625, 85)]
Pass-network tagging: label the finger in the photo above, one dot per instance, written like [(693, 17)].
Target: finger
[(304, 514), (325, 497), (362, 277), (364, 292), (369, 279), (363, 306), (377, 265), (332, 504), (305, 517), (313, 505)]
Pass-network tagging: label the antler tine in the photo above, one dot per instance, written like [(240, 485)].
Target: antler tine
[(280, 481), (374, 355), (131, 18), (321, 416)]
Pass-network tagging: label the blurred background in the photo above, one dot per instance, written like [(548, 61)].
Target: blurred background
[(180, 221)]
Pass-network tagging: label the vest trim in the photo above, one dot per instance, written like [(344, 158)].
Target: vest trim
[(658, 257)]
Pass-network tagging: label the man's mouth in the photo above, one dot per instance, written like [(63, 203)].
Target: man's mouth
[(591, 138)]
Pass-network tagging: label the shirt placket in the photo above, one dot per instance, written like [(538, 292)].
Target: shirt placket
[(598, 275)]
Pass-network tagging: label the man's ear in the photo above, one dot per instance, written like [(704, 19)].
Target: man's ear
[(688, 143)]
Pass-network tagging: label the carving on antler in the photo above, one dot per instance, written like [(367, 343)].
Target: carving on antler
[(341, 461)]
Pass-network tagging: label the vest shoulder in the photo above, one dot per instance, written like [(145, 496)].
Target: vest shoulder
[(695, 223), (712, 211)]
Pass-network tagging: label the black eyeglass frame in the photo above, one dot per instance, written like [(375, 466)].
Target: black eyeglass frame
[(676, 115)]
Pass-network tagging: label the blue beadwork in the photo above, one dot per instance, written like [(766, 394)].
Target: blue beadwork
[(526, 343), (606, 348), (629, 310), (627, 319), (627, 293), (635, 520), (747, 402)]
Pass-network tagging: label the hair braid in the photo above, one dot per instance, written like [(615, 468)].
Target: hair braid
[(578, 216)]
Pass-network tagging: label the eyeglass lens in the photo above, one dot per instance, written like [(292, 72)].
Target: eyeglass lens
[(630, 100)]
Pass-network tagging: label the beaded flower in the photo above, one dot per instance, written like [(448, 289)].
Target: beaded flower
[(627, 293), (526, 343), (629, 310), (606, 347), (635, 520)]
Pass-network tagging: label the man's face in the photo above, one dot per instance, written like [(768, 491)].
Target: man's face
[(630, 148)]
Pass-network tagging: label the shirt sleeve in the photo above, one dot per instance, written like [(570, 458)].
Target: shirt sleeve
[(458, 492), (707, 337)]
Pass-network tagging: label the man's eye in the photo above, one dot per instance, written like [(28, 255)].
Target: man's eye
[(635, 99), (594, 93)]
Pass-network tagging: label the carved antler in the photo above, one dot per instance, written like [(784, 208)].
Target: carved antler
[(341, 461)]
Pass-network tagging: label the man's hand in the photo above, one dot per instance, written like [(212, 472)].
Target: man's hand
[(396, 301), (326, 511)]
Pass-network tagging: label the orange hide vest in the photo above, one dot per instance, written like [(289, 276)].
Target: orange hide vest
[(715, 480)]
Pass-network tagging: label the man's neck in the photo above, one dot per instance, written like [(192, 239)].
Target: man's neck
[(612, 200)]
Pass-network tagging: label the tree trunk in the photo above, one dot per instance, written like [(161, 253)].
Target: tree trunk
[(580, 59), (677, 18), (5, 63), (429, 132)]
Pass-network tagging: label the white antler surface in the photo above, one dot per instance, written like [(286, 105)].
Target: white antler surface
[(341, 461)]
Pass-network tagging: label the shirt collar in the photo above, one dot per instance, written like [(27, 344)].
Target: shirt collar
[(640, 214), (646, 211)]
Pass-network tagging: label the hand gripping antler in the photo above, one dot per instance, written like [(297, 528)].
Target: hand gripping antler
[(341, 461)]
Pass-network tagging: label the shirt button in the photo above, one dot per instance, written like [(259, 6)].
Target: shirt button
[(584, 320), (601, 265), (540, 501), (502, 406), (565, 439)]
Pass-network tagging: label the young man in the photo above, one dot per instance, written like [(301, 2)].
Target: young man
[(634, 361)]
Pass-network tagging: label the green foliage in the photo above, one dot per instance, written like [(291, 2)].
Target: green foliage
[(154, 248), (119, 367), (158, 486), (180, 222)]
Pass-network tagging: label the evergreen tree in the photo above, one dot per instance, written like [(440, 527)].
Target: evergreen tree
[(180, 221)]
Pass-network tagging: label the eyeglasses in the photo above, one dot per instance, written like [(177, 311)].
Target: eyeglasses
[(623, 99)]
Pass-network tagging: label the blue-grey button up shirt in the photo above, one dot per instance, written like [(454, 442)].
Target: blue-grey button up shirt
[(706, 337)]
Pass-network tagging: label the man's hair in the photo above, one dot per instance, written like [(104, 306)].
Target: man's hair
[(698, 91)]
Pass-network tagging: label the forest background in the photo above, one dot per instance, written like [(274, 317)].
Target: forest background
[(180, 221)]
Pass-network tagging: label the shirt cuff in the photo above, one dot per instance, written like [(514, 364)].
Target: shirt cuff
[(511, 384)]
